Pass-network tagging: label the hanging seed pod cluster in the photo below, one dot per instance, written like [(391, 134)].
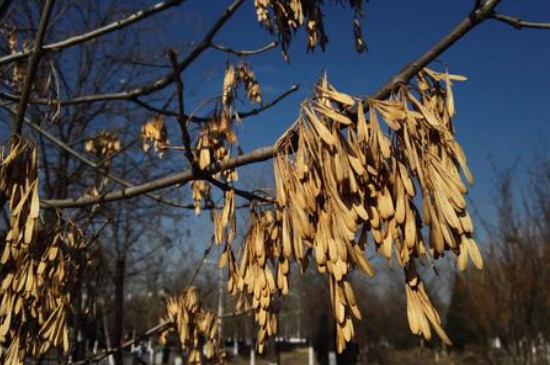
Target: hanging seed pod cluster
[(196, 326), (212, 146), (19, 68), (154, 133), (284, 18), (103, 145), (343, 177), (38, 265), (217, 137), (420, 311), (225, 222), (254, 276), (237, 75)]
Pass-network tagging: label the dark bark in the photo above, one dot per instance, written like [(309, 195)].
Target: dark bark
[(118, 325)]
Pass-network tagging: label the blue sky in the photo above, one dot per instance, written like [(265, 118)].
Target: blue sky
[(502, 109)]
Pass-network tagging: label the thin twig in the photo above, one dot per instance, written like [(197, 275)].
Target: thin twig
[(186, 138), (182, 118), (96, 166), (95, 236), (158, 84), (151, 332), (261, 154), (201, 263), (240, 115), (263, 49), (519, 23), (237, 313), (156, 110), (32, 66), (111, 27), (242, 193), (467, 24), (257, 111), (153, 109)]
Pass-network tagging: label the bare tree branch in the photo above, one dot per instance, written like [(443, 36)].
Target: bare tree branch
[(147, 106), (152, 87), (476, 17), (32, 66), (151, 332), (237, 313), (186, 137), (241, 115), (82, 38), (201, 263), (477, 4), (257, 111), (263, 49), (261, 154), (242, 193), (266, 153), (97, 166), (95, 236), (519, 23), (182, 118)]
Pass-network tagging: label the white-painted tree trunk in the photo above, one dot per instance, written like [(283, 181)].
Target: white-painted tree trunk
[(311, 355), (252, 356)]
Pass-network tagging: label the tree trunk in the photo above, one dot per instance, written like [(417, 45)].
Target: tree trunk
[(77, 352), (118, 325)]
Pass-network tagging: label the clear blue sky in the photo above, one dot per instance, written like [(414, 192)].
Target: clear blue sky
[(502, 109)]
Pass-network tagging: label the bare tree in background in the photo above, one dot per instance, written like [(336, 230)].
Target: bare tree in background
[(508, 301)]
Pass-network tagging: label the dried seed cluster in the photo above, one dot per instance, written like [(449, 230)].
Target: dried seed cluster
[(285, 17), (20, 66), (43, 77), (216, 138), (103, 145), (237, 75), (420, 311), (19, 184), (195, 325), (154, 133), (225, 222), (212, 146), (38, 265), (254, 276), (341, 178), (201, 193), (225, 230)]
